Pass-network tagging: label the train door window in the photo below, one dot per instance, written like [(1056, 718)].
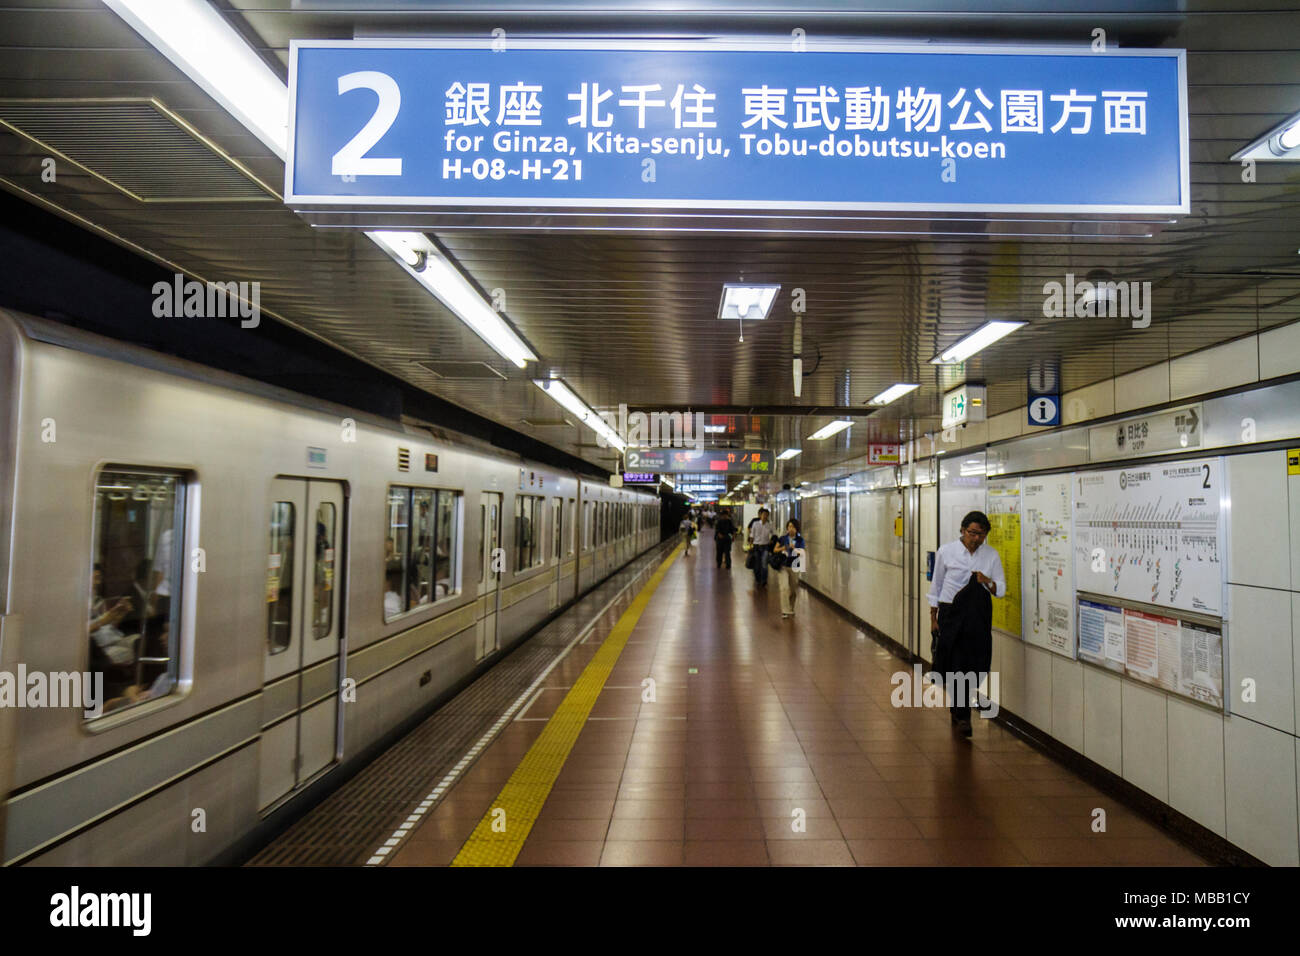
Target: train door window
[(135, 584), (557, 529), (586, 526), (420, 574), (447, 546), (569, 527), (279, 577), (323, 575)]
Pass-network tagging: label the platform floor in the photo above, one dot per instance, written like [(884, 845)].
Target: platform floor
[(768, 742)]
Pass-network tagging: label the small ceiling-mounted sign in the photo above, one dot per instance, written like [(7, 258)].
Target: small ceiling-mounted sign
[(963, 405)]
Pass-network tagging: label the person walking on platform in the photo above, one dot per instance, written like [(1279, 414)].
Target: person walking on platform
[(724, 529), (966, 572), (790, 548), (687, 528), (760, 539)]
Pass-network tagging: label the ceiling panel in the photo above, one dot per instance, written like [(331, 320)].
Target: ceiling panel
[(631, 318)]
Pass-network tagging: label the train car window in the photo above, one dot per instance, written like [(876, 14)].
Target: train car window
[(586, 526), (322, 617), (421, 571), (557, 528), (396, 550), (530, 548), (135, 584), (279, 577), (570, 531), (422, 549), (447, 546)]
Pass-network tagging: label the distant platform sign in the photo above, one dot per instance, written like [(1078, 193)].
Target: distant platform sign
[(726, 125), (687, 460)]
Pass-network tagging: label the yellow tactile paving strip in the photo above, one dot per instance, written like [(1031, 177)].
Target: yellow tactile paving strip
[(500, 835)]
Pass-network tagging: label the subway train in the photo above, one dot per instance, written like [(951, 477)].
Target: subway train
[(218, 597)]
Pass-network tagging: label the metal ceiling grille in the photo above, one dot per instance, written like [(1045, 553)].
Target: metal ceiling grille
[(137, 146)]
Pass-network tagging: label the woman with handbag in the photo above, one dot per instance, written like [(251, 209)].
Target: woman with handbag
[(790, 552)]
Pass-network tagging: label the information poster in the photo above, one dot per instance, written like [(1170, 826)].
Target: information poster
[(1201, 674), (1101, 634), (1147, 638), (1182, 657), (1152, 534), (1004, 538), (1047, 574)]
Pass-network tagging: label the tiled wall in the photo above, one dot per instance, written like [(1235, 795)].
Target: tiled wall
[(1235, 774)]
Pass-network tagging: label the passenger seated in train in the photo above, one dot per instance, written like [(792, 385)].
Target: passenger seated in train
[(116, 646), (393, 592)]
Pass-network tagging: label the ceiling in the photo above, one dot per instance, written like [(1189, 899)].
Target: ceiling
[(631, 318)]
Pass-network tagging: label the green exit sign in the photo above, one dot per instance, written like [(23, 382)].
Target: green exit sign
[(962, 405)]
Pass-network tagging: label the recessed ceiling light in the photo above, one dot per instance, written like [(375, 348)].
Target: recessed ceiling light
[(893, 393), (751, 302), (788, 453), (981, 338), (826, 431)]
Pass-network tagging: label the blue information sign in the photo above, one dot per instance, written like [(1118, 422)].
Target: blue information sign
[(719, 125)]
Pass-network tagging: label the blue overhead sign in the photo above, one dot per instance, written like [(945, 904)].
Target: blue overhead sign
[(646, 125)]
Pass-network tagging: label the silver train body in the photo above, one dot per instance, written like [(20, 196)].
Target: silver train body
[(248, 726)]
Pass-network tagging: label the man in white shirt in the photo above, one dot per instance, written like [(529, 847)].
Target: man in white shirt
[(760, 537), (966, 572)]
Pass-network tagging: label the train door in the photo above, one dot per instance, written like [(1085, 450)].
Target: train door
[(491, 558), (304, 629)]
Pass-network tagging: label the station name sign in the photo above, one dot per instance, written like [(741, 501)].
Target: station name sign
[(722, 125), (688, 461)]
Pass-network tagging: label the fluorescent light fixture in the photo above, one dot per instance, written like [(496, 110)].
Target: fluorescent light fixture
[(207, 49), (788, 453), (826, 431), (893, 393), (422, 260), (566, 397), (746, 301), (981, 338), (1281, 144)]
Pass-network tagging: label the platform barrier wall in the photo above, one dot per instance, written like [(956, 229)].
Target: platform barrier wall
[(1234, 772)]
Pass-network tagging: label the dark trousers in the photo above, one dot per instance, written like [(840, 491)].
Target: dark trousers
[(946, 622), (760, 553), (724, 553)]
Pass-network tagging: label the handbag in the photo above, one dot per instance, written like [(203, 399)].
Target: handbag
[(775, 561), (749, 559)]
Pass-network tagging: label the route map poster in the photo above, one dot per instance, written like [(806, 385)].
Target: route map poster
[(1004, 538), (1047, 571), (1152, 534)]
